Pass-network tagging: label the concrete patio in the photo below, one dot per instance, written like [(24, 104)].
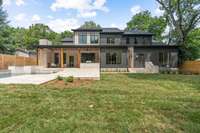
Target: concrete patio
[(82, 73)]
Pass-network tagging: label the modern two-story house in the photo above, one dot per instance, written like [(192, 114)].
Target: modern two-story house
[(113, 49)]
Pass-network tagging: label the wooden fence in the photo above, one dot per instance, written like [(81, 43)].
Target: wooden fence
[(191, 67), (12, 60)]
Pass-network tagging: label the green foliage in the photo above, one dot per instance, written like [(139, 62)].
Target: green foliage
[(119, 103), (69, 79), (59, 77), (192, 50), (182, 16), (145, 22), (12, 38), (90, 24)]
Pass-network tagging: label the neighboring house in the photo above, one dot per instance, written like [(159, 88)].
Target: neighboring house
[(113, 49), (25, 53)]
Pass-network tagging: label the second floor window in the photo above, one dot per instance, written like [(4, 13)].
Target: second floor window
[(136, 41), (94, 39), (83, 38), (111, 40), (127, 40)]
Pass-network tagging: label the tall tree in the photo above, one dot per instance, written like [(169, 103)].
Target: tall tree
[(182, 17), (90, 24), (3, 30), (144, 21)]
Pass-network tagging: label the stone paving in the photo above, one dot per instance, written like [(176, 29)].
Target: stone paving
[(85, 73)]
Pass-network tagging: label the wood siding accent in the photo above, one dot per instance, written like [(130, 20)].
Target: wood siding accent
[(12, 60), (61, 58), (191, 67)]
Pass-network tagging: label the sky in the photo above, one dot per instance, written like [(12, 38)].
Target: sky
[(61, 15)]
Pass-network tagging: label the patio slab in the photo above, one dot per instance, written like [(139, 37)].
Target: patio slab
[(85, 73)]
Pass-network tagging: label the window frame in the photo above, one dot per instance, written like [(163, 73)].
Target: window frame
[(110, 40), (82, 38), (114, 58), (94, 38)]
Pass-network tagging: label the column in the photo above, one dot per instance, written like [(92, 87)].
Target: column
[(61, 58)]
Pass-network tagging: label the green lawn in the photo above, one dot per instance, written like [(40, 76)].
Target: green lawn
[(122, 103)]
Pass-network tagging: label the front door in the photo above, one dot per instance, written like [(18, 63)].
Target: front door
[(139, 61), (71, 61)]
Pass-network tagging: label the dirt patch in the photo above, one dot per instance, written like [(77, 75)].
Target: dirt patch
[(62, 85)]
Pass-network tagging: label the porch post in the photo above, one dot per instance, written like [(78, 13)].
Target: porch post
[(61, 58), (78, 57)]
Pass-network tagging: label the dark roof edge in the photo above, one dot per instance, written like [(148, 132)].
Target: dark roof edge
[(100, 46)]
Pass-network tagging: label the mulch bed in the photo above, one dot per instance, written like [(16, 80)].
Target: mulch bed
[(61, 84)]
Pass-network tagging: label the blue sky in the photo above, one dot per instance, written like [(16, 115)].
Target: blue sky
[(62, 15)]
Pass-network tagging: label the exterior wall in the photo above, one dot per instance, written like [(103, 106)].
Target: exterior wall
[(152, 54), (103, 39), (124, 62)]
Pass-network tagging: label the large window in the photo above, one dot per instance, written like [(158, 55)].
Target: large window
[(88, 58), (56, 59), (94, 39), (111, 40), (127, 40), (82, 38), (113, 58), (163, 56), (135, 40)]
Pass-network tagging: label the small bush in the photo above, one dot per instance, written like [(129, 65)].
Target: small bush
[(59, 78), (69, 79)]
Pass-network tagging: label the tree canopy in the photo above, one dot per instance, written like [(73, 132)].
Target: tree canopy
[(182, 16), (146, 22), (90, 24)]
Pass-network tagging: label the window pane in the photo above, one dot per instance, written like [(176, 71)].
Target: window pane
[(94, 39), (113, 58), (88, 58), (82, 38), (110, 40)]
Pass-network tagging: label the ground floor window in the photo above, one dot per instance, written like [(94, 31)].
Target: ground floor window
[(88, 58), (114, 58), (56, 58), (163, 57), (139, 60)]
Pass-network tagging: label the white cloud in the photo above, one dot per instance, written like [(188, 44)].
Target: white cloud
[(6, 2), (136, 9), (50, 17), (20, 2), (158, 12), (87, 14), (85, 8), (20, 17), (113, 25), (36, 18), (17, 2), (60, 25)]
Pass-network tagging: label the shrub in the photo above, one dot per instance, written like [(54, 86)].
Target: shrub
[(69, 79), (59, 78)]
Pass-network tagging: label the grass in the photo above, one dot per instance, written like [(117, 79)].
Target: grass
[(119, 103)]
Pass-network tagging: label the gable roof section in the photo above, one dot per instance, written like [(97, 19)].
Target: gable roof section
[(111, 30), (87, 29)]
